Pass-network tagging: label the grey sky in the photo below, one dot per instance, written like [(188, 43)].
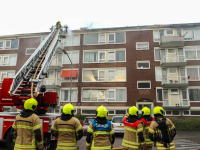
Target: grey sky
[(32, 16)]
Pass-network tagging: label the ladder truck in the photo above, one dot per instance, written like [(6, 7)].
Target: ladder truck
[(27, 83)]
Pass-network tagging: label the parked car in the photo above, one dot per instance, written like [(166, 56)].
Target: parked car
[(117, 124), (86, 123)]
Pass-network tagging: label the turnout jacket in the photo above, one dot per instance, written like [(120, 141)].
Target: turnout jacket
[(26, 131), (133, 133), (68, 130), (153, 131), (100, 135), (146, 122)]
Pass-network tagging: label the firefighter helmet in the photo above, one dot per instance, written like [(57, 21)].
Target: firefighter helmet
[(102, 111), (133, 111), (30, 104), (68, 109), (146, 111), (58, 20), (158, 111)]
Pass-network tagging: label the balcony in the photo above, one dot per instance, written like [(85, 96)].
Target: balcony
[(180, 104), (175, 82), (173, 61), (171, 41), (52, 84)]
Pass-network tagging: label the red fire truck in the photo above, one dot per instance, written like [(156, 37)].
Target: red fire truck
[(27, 83)]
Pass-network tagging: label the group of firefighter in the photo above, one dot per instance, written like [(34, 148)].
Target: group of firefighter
[(139, 133)]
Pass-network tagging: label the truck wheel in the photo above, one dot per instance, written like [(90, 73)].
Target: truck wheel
[(9, 141)]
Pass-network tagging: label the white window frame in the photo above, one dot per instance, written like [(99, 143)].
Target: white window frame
[(87, 109), (68, 95), (9, 46), (29, 49), (197, 73), (2, 74), (169, 49), (102, 42), (155, 54), (169, 30), (112, 90), (114, 59), (99, 57), (1, 48), (70, 56), (143, 62), (172, 73), (174, 93), (114, 41), (1, 60), (142, 43), (4, 64), (114, 74), (103, 79), (51, 74), (143, 82)]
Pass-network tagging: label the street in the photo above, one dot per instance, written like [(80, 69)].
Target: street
[(181, 144)]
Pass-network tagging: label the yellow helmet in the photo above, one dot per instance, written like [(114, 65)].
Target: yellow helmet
[(146, 111), (158, 110), (30, 104), (133, 111), (58, 20), (102, 111), (68, 109)]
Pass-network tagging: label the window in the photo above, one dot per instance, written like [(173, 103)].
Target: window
[(158, 74), (143, 84), (102, 38), (8, 45), (193, 74), (142, 46), (194, 94), (174, 91), (197, 33), (65, 95), (5, 74), (162, 95), (111, 56), (195, 112), (186, 112), (169, 32), (157, 34), (172, 70), (30, 51), (99, 95), (1, 44), (102, 56), (192, 53), (8, 60), (111, 112), (72, 40), (189, 35), (171, 51), (168, 112), (88, 112), (100, 75), (157, 54), (173, 112), (111, 38), (74, 56), (143, 65), (120, 112), (93, 39), (51, 73)]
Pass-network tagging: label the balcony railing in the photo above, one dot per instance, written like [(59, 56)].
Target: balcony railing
[(51, 83), (179, 81), (171, 41), (177, 60), (176, 104)]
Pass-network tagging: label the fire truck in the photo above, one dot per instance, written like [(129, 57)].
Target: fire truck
[(27, 83)]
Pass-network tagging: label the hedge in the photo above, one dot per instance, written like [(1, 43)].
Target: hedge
[(190, 124)]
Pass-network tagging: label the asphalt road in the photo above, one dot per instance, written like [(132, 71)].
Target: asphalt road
[(181, 144)]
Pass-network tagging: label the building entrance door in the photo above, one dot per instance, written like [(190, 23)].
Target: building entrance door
[(141, 105)]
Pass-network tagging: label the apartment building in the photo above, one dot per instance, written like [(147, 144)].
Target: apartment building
[(155, 65)]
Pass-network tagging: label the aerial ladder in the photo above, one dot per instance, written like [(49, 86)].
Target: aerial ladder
[(28, 82)]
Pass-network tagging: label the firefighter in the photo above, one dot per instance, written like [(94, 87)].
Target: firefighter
[(100, 134), (26, 130), (162, 126), (58, 25), (67, 129), (147, 119), (133, 131)]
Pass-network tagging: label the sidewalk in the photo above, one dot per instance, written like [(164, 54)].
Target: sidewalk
[(189, 135)]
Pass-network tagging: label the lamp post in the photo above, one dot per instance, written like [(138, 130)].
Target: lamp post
[(71, 72)]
